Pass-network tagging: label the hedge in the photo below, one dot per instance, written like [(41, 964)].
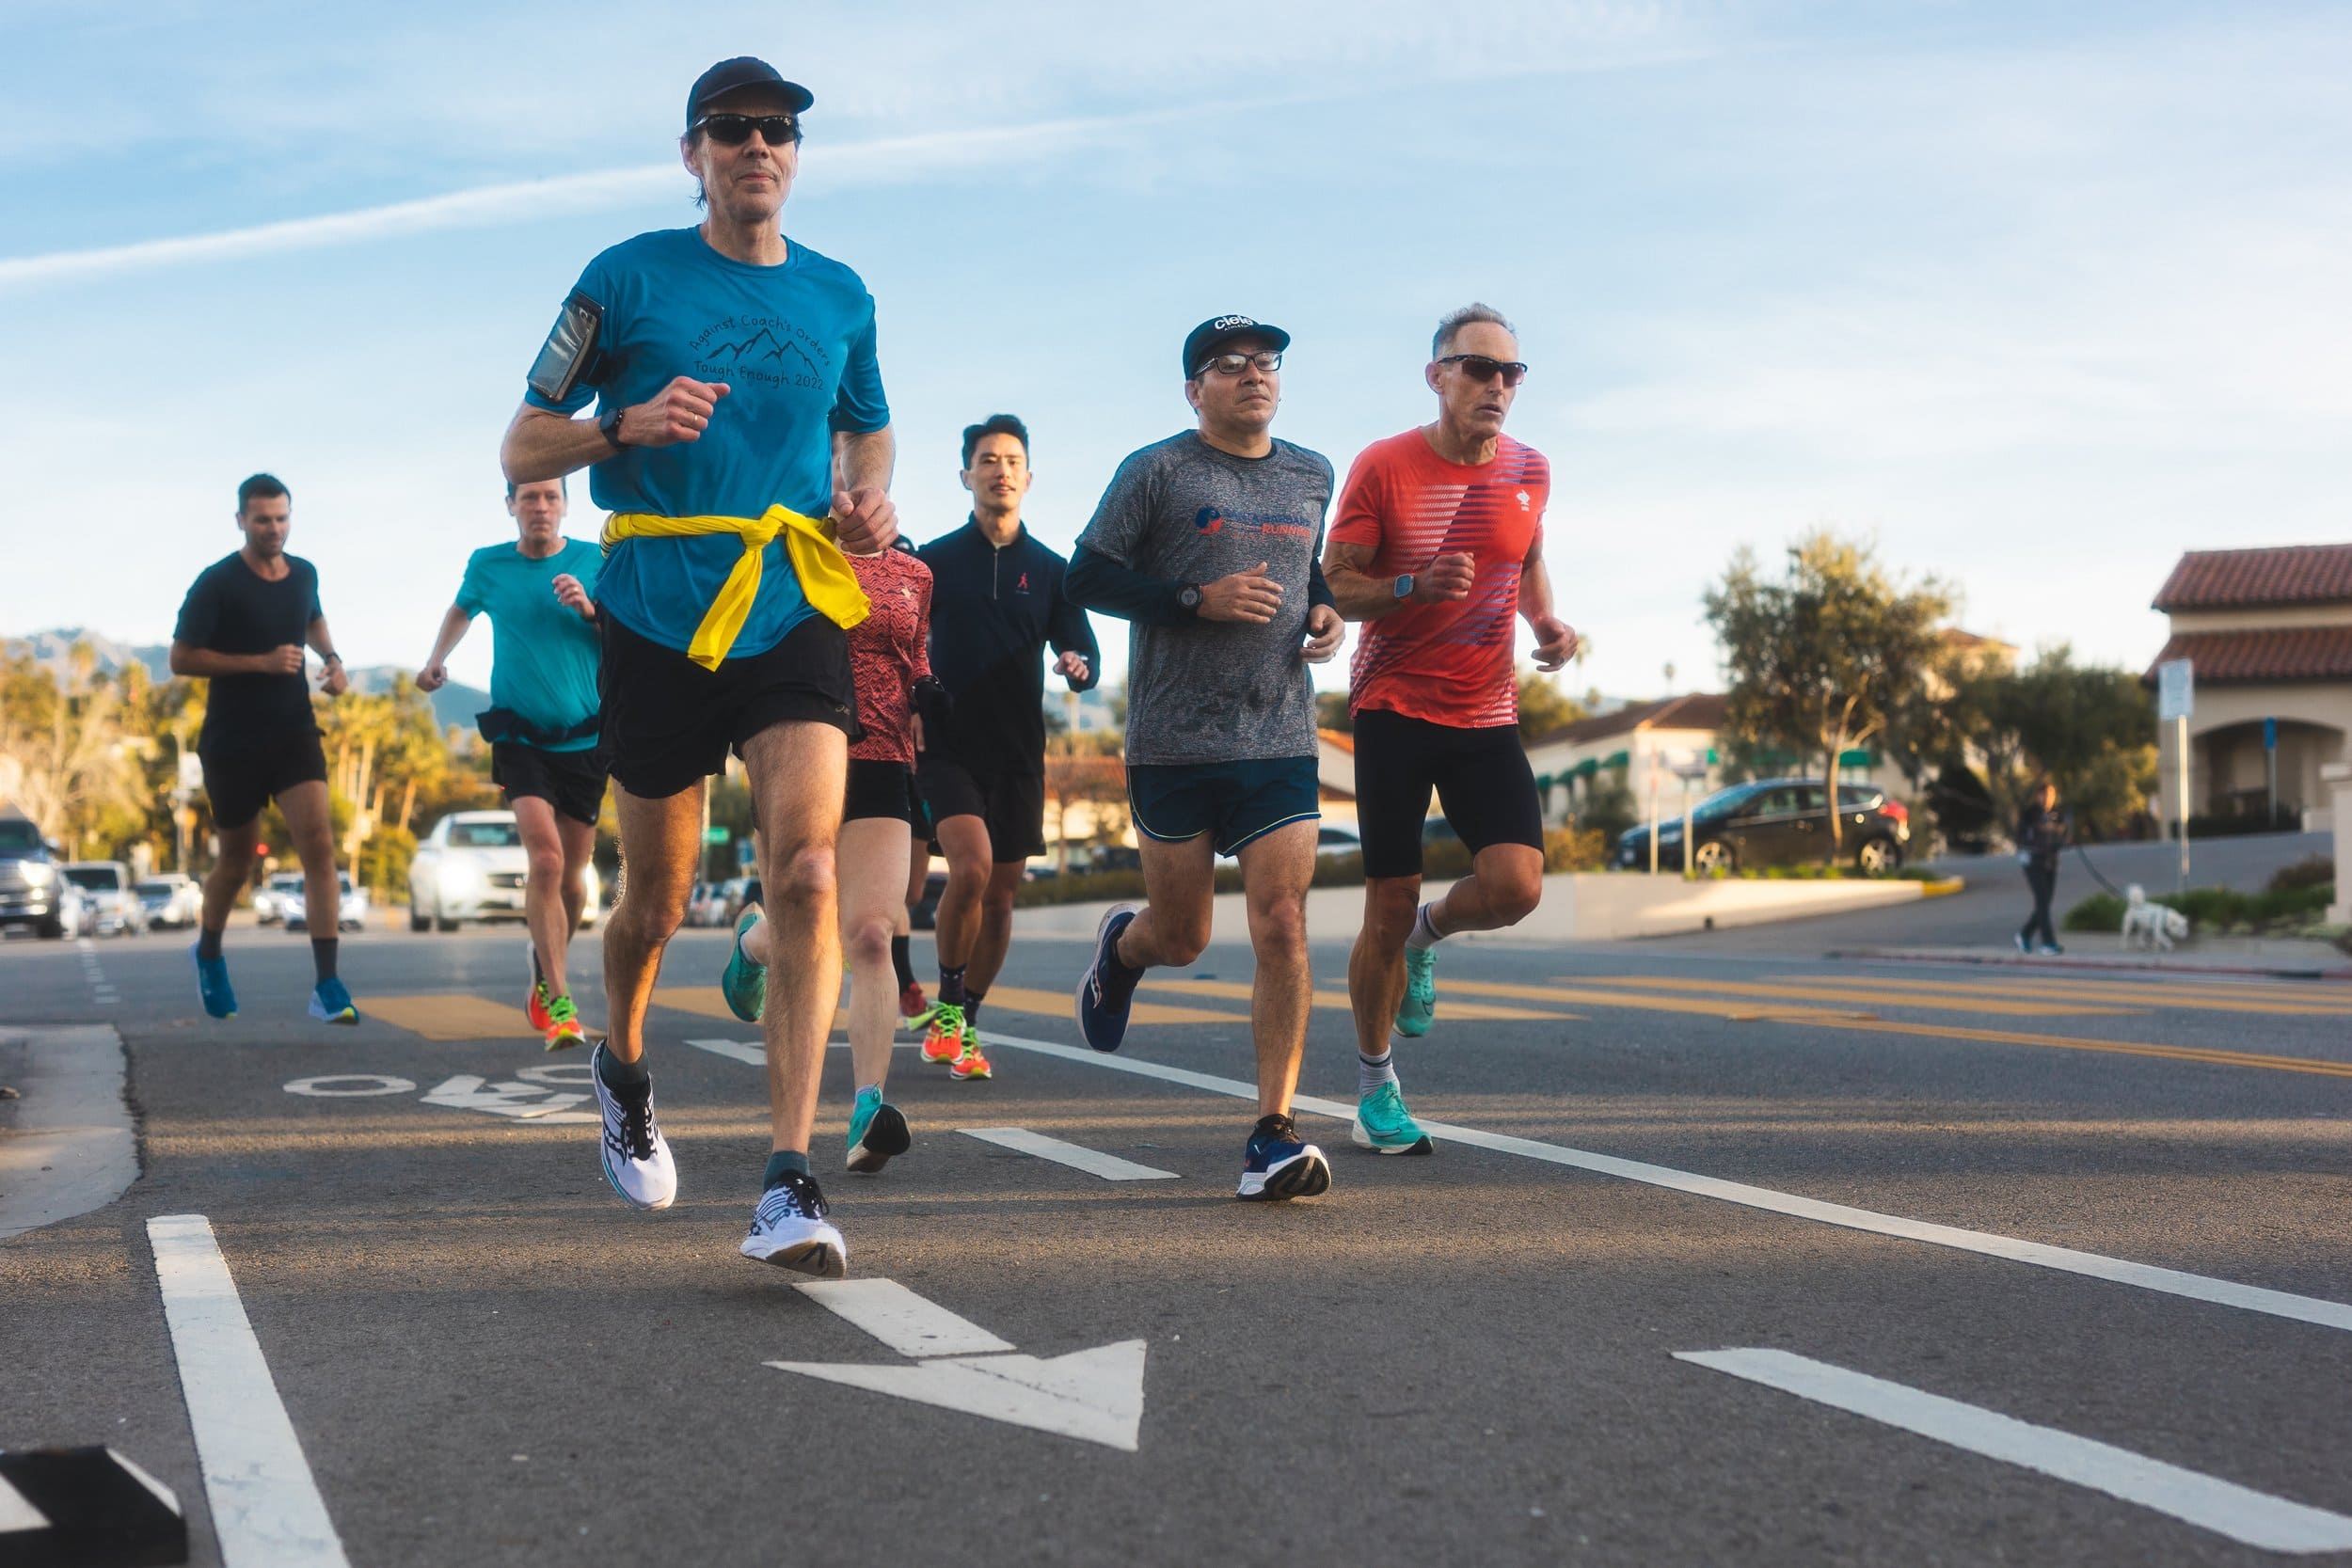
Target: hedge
[(2216, 909)]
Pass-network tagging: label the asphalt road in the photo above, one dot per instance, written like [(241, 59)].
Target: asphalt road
[(485, 1358)]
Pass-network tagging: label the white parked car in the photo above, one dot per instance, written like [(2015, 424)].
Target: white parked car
[(173, 901), (473, 866), (281, 893), (114, 902), (352, 914)]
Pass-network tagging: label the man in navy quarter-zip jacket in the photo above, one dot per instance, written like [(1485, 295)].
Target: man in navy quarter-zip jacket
[(996, 604)]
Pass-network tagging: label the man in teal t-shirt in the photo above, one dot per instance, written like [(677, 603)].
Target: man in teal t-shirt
[(732, 370), (541, 724)]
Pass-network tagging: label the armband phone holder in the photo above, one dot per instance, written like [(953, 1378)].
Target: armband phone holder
[(570, 355)]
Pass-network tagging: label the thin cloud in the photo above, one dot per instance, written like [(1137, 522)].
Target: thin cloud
[(488, 206)]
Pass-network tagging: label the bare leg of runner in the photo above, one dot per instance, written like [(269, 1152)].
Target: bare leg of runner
[(995, 935), (661, 839), (870, 852), (964, 840), (799, 773), (312, 825), (1376, 965), (227, 877), (1276, 870), (552, 889)]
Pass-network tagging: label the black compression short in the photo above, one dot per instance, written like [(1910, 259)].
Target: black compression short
[(883, 789), (1481, 778), (668, 721), (571, 781), (1011, 803), (243, 774)]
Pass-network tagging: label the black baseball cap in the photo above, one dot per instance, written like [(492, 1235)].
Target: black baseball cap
[(1211, 337), (742, 71)]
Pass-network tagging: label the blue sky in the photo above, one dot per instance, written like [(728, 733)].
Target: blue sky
[(2036, 296)]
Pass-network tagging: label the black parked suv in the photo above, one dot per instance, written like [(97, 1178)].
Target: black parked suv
[(1778, 822), (33, 887)]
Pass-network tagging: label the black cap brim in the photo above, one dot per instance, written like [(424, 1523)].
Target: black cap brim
[(1210, 338)]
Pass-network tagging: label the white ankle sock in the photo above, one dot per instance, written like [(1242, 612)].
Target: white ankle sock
[(1424, 934), (1373, 1072)]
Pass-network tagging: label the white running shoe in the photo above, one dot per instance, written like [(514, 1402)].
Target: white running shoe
[(636, 1156), (789, 1230)]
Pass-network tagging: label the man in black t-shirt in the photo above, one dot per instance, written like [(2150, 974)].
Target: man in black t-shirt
[(243, 627)]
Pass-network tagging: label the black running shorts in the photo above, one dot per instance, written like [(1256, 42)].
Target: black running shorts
[(1011, 803), (571, 781), (883, 789), (242, 775), (668, 721), (1481, 778)]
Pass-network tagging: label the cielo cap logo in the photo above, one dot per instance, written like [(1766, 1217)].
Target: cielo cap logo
[(1208, 520), (1226, 324)]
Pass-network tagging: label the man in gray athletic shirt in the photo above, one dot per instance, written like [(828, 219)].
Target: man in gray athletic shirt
[(1208, 544)]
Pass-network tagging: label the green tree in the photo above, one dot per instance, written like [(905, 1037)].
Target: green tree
[(1822, 657), (2093, 730), (1543, 707), (1331, 712)]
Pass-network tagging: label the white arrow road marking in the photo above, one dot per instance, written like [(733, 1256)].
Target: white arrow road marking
[(2120, 1270), (755, 1054), (900, 1319), (2253, 1518), (1095, 1396), (467, 1092), (17, 1511), (266, 1509), (1110, 1167)]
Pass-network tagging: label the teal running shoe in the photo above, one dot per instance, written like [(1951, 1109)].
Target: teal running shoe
[(877, 1132), (211, 984), (745, 982), (1384, 1125), (331, 1004), (1420, 1006)]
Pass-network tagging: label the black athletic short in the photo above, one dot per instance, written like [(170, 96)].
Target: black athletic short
[(571, 781), (242, 775), (1011, 803), (1481, 777), (668, 721), (885, 789)]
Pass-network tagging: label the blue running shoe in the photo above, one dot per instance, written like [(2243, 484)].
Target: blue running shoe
[(331, 1004), (877, 1132), (1384, 1125), (212, 983), (1420, 993), (1103, 997), (1278, 1164), (745, 982)]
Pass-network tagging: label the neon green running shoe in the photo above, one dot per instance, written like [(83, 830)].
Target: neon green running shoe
[(1384, 1125), (1420, 1006), (745, 983)]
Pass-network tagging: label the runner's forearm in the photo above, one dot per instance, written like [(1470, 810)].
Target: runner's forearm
[(204, 663), (865, 458), (1535, 591), (1359, 595), (1318, 587), (454, 628), (541, 444), (322, 641), (1095, 581)]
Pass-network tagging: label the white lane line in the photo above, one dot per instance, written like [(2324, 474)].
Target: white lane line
[(1110, 1167), (755, 1054), (900, 1319), (266, 1510), (2146, 1277), (17, 1511), (2242, 1515)]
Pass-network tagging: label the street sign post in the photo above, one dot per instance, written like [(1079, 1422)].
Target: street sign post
[(2270, 765), (2176, 694)]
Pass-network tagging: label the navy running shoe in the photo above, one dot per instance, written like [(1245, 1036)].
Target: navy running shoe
[(1279, 1165), (1103, 995), (211, 984)]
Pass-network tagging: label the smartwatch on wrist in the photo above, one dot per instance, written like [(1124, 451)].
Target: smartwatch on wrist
[(330, 658), (1405, 585), (1188, 596), (610, 426)]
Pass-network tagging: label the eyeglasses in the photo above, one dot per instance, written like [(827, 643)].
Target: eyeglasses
[(1479, 368), (1233, 364), (734, 130)]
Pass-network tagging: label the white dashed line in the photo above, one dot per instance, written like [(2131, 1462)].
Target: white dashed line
[(1110, 1167)]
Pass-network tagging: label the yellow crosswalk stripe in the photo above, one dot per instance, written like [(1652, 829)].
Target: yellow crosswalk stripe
[(1805, 989), (1239, 991), (452, 1016), (2128, 1048), (1740, 1012), (2214, 997)]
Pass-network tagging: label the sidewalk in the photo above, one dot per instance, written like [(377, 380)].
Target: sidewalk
[(2270, 957)]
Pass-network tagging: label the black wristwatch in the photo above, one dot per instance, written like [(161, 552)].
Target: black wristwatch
[(1188, 599), (330, 658), (610, 426)]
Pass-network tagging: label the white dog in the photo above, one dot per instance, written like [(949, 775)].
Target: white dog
[(2151, 926)]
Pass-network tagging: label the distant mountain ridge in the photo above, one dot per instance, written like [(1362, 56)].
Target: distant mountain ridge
[(53, 650)]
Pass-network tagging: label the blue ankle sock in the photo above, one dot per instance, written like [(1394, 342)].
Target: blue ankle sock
[(783, 1160)]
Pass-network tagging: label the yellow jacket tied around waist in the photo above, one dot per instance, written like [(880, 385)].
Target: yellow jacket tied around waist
[(808, 543)]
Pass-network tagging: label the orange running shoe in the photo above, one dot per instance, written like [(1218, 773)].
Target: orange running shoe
[(536, 1003), (563, 1031), (970, 1065), (944, 1042)]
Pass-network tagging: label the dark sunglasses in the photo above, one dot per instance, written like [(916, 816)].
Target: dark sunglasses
[(734, 130), (1479, 368)]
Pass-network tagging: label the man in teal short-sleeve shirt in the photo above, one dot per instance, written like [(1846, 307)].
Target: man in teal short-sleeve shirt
[(733, 373)]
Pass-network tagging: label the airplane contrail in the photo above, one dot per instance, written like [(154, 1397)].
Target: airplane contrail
[(486, 206)]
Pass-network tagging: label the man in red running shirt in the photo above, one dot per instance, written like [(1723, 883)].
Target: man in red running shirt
[(1437, 544)]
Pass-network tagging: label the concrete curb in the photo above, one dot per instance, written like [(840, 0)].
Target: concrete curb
[(71, 1147)]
